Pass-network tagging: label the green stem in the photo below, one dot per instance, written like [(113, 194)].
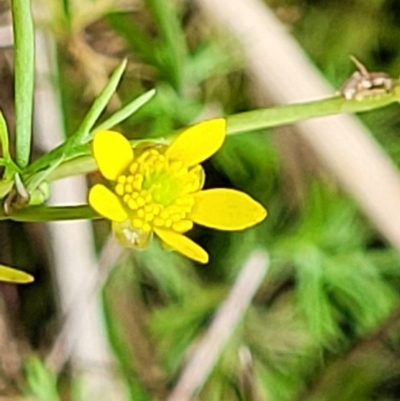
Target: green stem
[(283, 115), (24, 44), (51, 213)]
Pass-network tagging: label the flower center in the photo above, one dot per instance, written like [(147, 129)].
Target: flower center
[(157, 192)]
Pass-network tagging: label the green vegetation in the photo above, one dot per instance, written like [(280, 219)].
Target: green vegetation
[(323, 324)]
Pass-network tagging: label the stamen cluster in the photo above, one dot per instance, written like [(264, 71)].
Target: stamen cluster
[(156, 191)]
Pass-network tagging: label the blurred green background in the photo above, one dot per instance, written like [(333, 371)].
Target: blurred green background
[(324, 324)]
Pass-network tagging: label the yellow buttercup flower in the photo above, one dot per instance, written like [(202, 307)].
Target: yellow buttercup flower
[(158, 189)]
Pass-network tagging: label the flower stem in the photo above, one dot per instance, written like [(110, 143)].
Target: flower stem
[(288, 114)]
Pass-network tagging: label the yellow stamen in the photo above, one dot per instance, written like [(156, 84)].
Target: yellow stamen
[(156, 192)]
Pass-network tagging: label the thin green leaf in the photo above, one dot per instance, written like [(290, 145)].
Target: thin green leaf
[(126, 111), (24, 78), (82, 135), (72, 147)]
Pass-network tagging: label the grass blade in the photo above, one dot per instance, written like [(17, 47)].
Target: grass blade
[(82, 135), (126, 111)]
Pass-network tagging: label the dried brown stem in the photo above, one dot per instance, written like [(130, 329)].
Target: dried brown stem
[(209, 348)]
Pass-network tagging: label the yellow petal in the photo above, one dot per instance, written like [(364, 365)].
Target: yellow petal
[(10, 275), (106, 203), (226, 209), (182, 244), (112, 152), (198, 142)]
